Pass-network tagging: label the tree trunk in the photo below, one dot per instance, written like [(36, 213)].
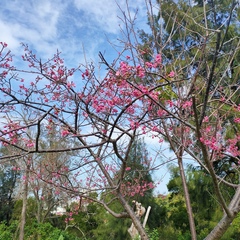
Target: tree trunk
[(225, 222), (220, 229), (187, 198), (24, 206), (135, 220), (39, 214)]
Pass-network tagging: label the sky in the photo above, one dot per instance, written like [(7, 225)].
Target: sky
[(77, 28), (72, 27)]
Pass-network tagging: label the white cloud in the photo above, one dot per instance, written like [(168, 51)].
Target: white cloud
[(31, 22), (68, 26), (7, 35), (106, 14), (100, 14)]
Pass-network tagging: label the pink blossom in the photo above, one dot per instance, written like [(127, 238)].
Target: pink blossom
[(136, 93), (4, 44), (85, 114), (170, 103), (13, 140), (208, 129), (148, 64), (237, 120), (155, 129), (150, 185), (128, 169), (100, 108), (130, 110), (171, 74), (110, 103), (161, 112), (232, 147), (187, 104), (71, 84), (118, 73), (30, 144), (134, 125), (64, 133), (60, 72), (158, 59), (85, 74), (144, 129), (206, 119), (140, 71)]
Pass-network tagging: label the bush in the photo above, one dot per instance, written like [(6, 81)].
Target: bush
[(43, 231)]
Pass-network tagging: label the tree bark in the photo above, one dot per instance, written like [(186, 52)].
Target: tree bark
[(220, 229), (24, 206), (187, 198), (225, 222)]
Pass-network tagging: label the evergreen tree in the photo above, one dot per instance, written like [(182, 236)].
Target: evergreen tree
[(206, 209), (139, 165), (8, 178), (8, 183)]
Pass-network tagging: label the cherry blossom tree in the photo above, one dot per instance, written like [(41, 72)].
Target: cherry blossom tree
[(100, 117), (96, 119), (200, 44)]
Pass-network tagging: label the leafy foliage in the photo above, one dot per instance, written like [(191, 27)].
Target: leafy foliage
[(8, 179)]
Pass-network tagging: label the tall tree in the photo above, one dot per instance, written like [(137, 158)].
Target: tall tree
[(138, 180), (196, 40), (8, 179)]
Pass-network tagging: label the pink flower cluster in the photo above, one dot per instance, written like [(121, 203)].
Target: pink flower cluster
[(124, 71), (4, 45), (64, 133), (136, 188), (237, 120), (232, 147)]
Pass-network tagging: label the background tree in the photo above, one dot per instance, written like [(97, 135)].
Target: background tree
[(8, 180), (207, 211)]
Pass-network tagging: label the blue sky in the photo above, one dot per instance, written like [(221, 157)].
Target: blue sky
[(71, 26)]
